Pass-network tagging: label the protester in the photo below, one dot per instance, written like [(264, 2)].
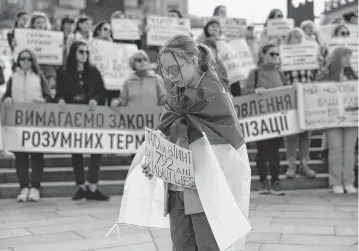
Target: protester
[(265, 39), (20, 22), (82, 32), (82, 83), (56, 26), (341, 141), (195, 104), (66, 27), (351, 18), (103, 31), (174, 13), (266, 76), (341, 31), (220, 11), (27, 85), (212, 30), (297, 37)]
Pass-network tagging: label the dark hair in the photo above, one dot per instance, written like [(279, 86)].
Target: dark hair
[(34, 65), (98, 28), (271, 15), (18, 16), (71, 63), (216, 10), (210, 22), (263, 51), (337, 29), (66, 20), (79, 21), (210, 43), (36, 16), (177, 12), (349, 16)]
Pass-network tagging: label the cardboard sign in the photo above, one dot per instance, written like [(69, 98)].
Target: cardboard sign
[(350, 42), (328, 105), (160, 29), (233, 28), (299, 57), (126, 29), (271, 115), (168, 161), (279, 27), (50, 129), (112, 61), (48, 46)]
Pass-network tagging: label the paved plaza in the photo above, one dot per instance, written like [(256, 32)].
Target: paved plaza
[(307, 220)]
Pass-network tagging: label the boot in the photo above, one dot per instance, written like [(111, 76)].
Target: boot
[(292, 169), (306, 170)]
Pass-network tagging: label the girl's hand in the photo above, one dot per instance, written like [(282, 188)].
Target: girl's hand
[(260, 91), (92, 104), (40, 100), (8, 102), (115, 103), (146, 171), (62, 103), (192, 184)]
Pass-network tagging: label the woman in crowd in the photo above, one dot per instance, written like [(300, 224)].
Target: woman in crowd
[(266, 76), (82, 32), (341, 141), (103, 31), (81, 83), (174, 13), (27, 85), (144, 87), (341, 31), (66, 27), (296, 37), (220, 11), (265, 39), (20, 22)]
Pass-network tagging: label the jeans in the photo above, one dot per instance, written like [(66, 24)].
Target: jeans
[(292, 144), (93, 172), (22, 165), (268, 151), (341, 142), (189, 232)]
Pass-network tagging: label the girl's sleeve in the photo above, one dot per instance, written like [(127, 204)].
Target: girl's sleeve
[(8, 92)]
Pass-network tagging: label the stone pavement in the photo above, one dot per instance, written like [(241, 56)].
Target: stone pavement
[(303, 220)]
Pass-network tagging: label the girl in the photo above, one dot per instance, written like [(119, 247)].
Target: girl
[(265, 39), (296, 36), (341, 31), (341, 141), (20, 22), (220, 11), (81, 83), (82, 32), (27, 85), (103, 31), (267, 76)]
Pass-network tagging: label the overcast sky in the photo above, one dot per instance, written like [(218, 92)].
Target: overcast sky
[(252, 10)]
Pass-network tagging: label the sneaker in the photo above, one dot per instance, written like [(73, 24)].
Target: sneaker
[(277, 189), (306, 170), (292, 169), (23, 195), (264, 188), (338, 190), (79, 195), (350, 189), (97, 195), (34, 194)]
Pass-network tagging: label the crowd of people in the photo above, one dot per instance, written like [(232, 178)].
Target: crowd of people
[(78, 81)]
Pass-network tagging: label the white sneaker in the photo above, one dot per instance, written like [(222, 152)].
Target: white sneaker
[(34, 194), (23, 195), (350, 189), (338, 190)]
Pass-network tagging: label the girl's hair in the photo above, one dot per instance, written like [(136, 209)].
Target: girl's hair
[(66, 20), (209, 23), (177, 12), (294, 31), (98, 28), (185, 47), (18, 16), (307, 23), (79, 21), (71, 64), (217, 9), (338, 28), (271, 15), (36, 15), (34, 65), (139, 53), (263, 51)]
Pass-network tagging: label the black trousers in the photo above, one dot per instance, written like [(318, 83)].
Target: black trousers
[(93, 172), (268, 152), (22, 165)]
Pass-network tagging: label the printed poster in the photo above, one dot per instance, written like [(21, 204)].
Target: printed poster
[(299, 57), (279, 27), (126, 29)]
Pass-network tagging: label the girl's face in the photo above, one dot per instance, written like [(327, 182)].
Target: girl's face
[(141, 63), (25, 61), (85, 26), (222, 12), (21, 22), (173, 14), (296, 38), (278, 15), (309, 30), (40, 23), (105, 31), (346, 60), (82, 54), (180, 74), (343, 32), (214, 30), (271, 56)]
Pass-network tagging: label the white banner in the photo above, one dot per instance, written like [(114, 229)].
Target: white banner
[(78, 4), (126, 29), (351, 43), (112, 61), (233, 28), (299, 57), (167, 161), (48, 46), (328, 105), (160, 29), (279, 27)]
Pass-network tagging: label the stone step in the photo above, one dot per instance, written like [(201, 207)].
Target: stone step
[(58, 174), (67, 189)]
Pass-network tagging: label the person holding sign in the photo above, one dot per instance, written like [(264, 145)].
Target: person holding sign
[(265, 38), (82, 83), (82, 32), (266, 76), (199, 116), (20, 22), (341, 141), (27, 85)]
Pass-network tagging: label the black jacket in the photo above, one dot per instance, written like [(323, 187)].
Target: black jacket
[(68, 87)]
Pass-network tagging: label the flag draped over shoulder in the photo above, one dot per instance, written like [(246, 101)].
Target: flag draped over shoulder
[(221, 165)]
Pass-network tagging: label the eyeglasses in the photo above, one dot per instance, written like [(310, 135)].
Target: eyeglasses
[(140, 60), (83, 52), (345, 33), (274, 54), (279, 16), (25, 59), (174, 70)]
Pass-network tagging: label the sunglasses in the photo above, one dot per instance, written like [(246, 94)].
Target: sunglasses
[(25, 59), (174, 70), (345, 33), (83, 52), (274, 54), (140, 60), (279, 16), (105, 29)]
